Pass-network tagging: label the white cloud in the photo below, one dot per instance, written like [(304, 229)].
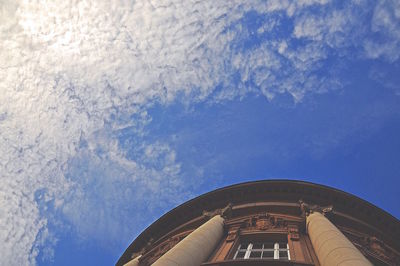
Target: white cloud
[(114, 190), (332, 29), (73, 74), (386, 24)]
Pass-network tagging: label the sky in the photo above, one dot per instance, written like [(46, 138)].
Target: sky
[(114, 112)]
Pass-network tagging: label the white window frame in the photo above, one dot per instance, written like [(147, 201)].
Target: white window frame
[(249, 249)]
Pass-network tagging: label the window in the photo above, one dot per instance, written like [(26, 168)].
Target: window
[(263, 250)]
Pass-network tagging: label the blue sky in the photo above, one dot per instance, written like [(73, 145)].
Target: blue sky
[(113, 113)]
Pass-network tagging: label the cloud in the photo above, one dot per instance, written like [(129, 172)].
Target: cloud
[(385, 25), (114, 190), (78, 76), (317, 28)]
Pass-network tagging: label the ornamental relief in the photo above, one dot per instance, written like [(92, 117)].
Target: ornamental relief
[(232, 233), (382, 251), (263, 222), (155, 253), (294, 233), (373, 246)]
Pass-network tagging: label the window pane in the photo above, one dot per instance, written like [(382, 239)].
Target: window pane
[(282, 245), (244, 245), (269, 245), (266, 250), (240, 255), (268, 254), (255, 255), (283, 255), (257, 246)]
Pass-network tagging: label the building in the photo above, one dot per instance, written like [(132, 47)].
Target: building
[(274, 222)]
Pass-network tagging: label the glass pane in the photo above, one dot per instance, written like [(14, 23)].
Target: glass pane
[(267, 254), (282, 245), (257, 245), (283, 255), (240, 255), (269, 245), (255, 255), (244, 245)]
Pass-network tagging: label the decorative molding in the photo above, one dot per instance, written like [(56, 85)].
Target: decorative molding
[(374, 247), (160, 250), (145, 249), (263, 222), (307, 209), (378, 248), (294, 233), (232, 234), (226, 212)]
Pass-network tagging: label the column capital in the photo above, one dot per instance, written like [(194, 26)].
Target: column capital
[(307, 209), (225, 213)]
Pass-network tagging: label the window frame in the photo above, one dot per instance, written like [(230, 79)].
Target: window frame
[(249, 249)]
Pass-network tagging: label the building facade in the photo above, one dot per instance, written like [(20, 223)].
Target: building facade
[(274, 222)]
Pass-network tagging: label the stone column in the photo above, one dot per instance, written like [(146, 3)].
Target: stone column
[(134, 262), (195, 248), (331, 246)]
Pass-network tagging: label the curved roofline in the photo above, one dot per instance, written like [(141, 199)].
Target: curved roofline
[(178, 211)]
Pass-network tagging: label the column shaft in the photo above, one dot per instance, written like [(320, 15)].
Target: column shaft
[(331, 246), (195, 248)]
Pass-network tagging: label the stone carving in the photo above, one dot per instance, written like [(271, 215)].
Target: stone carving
[(307, 209), (232, 234), (374, 247), (264, 222), (160, 250), (294, 233), (377, 247), (168, 245), (225, 212)]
